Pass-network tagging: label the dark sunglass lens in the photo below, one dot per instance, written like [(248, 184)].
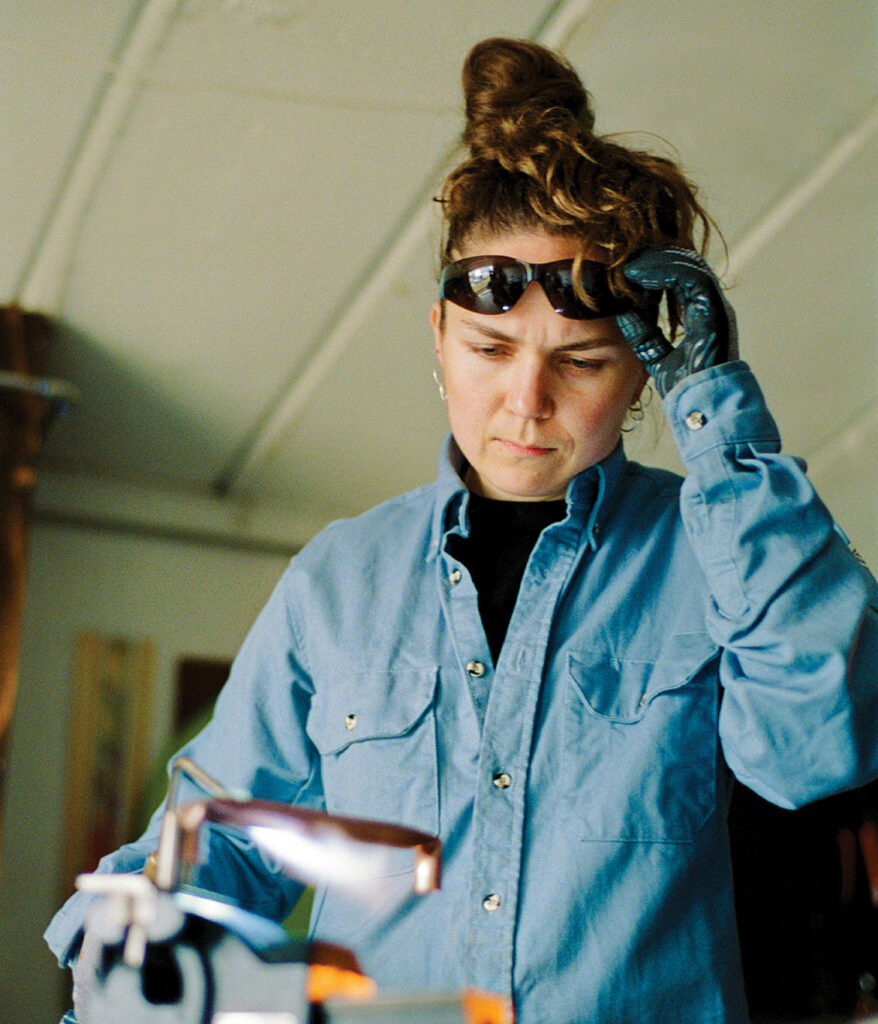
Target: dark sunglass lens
[(483, 286), (505, 285), (493, 284), (453, 284), (558, 285), (561, 293), (557, 281)]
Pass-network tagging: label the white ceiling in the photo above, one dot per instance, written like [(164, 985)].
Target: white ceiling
[(226, 206)]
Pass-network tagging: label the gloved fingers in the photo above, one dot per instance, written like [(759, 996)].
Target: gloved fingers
[(639, 327), (688, 276), (671, 267), (644, 336), (704, 310)]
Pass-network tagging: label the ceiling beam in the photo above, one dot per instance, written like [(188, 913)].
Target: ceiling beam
[(854, 439), (45, 276), (796, 198), (557, 24), (95, 503), (852, 445)]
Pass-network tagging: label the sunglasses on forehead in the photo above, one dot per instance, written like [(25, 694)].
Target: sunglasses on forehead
[(493, 284)]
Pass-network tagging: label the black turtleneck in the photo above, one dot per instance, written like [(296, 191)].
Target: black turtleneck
[(501, 538)]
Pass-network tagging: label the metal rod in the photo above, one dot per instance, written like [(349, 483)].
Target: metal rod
[(168, 857)]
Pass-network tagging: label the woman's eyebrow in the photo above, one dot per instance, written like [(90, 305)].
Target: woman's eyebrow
[(488, 331), (588, 343), (574, 345)]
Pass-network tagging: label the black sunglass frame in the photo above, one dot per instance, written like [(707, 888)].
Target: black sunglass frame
[(555, 277)]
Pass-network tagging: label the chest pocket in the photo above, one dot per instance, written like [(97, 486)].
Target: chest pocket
[(640, 743), (376, 735)]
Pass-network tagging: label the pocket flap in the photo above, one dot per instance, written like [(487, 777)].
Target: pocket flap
[(621, 690), (370, 707)]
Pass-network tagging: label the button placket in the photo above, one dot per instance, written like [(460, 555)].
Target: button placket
[(499, 809)]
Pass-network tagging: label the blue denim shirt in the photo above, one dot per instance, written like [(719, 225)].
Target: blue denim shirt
[(665, 632)]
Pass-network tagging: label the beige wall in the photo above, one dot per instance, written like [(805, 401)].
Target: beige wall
[(189, 599)]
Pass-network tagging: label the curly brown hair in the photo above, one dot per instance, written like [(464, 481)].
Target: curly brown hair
[(535, 162)]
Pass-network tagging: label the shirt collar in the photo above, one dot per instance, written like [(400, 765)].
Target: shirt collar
[(588, 495), (451, 495)]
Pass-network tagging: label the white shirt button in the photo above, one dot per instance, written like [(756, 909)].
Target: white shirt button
[(454, 577), (350, 722), (502, 780), (492, 902), (475, 668), (696, 420)]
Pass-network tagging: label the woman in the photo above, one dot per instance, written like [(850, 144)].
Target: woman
[(527, 656)]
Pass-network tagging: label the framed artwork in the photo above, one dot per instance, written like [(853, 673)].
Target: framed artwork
[(107, 748)]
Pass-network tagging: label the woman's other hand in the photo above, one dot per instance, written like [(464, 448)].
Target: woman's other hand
[(710, 333)]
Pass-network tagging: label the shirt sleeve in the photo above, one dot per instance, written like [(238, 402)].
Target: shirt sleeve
[(256, 743), (792, 608)]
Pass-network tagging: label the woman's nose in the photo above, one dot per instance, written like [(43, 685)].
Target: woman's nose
[(529, 391)]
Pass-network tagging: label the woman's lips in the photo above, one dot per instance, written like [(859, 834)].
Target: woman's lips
[(524, 449)]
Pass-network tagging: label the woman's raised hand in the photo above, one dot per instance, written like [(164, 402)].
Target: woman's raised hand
[(710, 334)]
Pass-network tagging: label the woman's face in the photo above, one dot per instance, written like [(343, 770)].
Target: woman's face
[(534, 398)]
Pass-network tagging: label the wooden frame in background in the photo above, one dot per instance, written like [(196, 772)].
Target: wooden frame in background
[(107, 748)]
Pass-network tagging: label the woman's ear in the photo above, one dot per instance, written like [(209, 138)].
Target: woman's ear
[(436, 322), (641, 384)]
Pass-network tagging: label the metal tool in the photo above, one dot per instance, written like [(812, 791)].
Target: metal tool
[(169, 954)]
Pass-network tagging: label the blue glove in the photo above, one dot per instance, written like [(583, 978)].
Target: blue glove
[(710, 334)]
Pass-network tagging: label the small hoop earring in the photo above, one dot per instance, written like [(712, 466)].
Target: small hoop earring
[(443, 394), (636, 412)]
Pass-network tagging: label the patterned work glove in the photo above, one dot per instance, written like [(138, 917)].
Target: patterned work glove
[(710, 335)]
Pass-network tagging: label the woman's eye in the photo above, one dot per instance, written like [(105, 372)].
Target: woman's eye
[(584, 364)]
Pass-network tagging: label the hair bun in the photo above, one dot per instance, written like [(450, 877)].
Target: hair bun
[(510, 86)]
